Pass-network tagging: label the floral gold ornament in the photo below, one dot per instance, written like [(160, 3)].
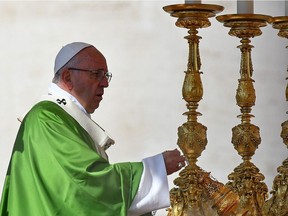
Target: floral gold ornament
[(190, 197), (197, 192), (277, 205)]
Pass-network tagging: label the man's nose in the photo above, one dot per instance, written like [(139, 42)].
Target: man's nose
[(104, 82)]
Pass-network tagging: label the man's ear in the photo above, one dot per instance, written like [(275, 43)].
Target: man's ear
[(66, 78)]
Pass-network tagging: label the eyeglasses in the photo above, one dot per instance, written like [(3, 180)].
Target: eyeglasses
[(99, 74)]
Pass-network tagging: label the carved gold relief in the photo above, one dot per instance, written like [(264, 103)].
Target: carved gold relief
[(196, 192), (223, 199), (281, 23), (277, 205), (246, 138), (189, 197), (192, 140), (246, 180)]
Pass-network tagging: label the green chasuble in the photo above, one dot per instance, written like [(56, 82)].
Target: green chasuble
[(55, 170)]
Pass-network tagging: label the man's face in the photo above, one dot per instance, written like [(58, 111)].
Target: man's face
[(88, 87)]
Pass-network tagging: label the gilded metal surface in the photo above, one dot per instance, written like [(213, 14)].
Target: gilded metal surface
[(187, 22), (281, 23), (246, 138), (210, 10), (277, 205), (213, 197), (245, 194), (223, 199), (244, 25), (245, 95), (246, 180), (192, 140), (189, 197)]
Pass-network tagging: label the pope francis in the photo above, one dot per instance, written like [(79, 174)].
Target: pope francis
[(59, 165)]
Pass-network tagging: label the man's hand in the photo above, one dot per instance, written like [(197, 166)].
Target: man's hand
[(173, 161)]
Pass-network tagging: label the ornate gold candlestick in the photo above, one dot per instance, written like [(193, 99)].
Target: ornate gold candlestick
[(189, 197), (277, 205), (246, 180)]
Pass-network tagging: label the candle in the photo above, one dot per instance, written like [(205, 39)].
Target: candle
[(245, 7), (192, 1), (286, 7)]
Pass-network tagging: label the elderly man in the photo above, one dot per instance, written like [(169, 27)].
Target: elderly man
[(59, 165)]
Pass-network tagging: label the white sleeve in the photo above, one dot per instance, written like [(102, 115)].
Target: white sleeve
[(153, 191)]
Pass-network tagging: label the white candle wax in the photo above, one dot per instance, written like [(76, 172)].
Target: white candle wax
[(286, 7), (245, 7), (192, 1)]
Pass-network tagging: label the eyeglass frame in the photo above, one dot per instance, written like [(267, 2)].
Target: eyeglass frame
[(107, 74)]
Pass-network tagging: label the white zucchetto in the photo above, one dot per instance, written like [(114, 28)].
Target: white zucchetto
[(67, 52)]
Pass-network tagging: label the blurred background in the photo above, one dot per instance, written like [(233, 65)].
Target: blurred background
[(147, 55)]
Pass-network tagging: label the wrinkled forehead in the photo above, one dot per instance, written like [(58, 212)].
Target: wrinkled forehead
[(90, 57)]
